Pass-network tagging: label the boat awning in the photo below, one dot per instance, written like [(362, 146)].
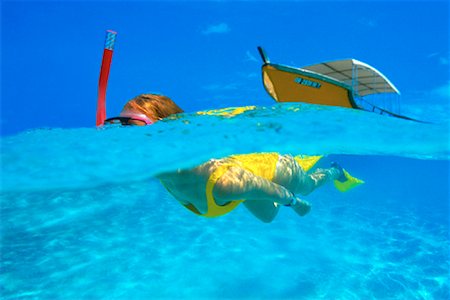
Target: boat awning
[(364, 79)]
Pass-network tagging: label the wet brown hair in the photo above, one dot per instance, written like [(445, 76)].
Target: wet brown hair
[(156, 107)]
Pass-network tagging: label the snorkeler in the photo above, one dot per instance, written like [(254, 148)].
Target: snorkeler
[(261, 181), (145, 109)]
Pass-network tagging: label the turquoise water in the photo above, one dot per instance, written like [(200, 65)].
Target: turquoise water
[(83, 218)]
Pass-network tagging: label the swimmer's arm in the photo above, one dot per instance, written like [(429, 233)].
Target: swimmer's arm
[(240, 184)]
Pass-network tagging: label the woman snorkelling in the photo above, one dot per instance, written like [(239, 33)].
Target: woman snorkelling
[(263, 182)]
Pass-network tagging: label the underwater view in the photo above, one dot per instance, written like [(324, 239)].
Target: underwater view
[(83, 217), (83, 214)]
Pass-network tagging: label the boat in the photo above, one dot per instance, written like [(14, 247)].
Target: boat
[(346, 83)]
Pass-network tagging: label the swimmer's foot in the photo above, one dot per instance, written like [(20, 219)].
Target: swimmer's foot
[(341, 174), (344, 181), (301, 207)]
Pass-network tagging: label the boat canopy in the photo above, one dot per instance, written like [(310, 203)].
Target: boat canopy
[(364, 79)]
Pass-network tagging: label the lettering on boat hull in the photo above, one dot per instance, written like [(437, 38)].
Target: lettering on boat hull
[(307, 82)]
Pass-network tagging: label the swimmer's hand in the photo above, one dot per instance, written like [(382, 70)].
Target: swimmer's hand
[(301, 207)]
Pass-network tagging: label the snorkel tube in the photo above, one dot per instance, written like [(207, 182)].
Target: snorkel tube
[(104, 74)]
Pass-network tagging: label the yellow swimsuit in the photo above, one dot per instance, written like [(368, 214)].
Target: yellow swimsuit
[(260, 164)]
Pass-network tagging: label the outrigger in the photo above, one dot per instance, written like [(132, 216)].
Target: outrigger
[(345, 83)]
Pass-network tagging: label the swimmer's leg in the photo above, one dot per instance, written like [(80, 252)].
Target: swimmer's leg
[(309, 182), (266, 211), (261, 196), (291, 175), (240, 184)]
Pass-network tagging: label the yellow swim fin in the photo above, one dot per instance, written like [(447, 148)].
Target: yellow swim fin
[(350, 183)]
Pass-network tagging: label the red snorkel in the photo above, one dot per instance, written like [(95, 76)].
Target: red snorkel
[(104, 74)]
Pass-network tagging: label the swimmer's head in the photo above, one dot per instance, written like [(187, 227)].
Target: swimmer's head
[(155, 107), (145, 109)]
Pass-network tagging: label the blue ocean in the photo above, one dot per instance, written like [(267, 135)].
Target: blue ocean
[(84, 218), (82, 215)]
